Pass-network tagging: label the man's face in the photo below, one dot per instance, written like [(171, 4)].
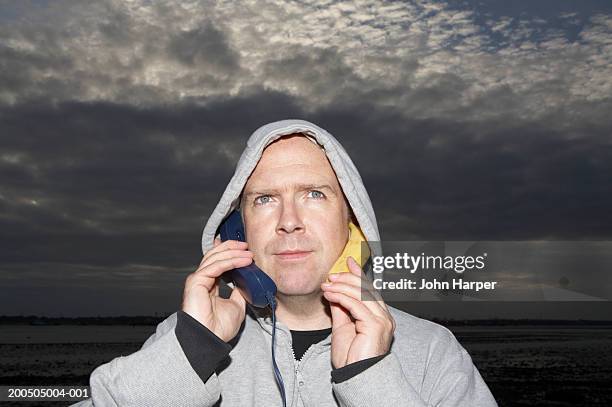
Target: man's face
[(292, 202)]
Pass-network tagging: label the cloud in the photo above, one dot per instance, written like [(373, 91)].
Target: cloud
[(164, 52), (121, 122)]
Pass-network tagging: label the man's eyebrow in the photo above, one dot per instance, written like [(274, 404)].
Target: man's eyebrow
[(299, 187)]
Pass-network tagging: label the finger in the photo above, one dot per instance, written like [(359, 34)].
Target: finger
[(358, 294), (207, 276), (226, 254), (356, 269), (217, 241), (227, 245), (351, 263), (368, 292), (357, 309)]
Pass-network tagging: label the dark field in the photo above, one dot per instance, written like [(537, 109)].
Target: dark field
[(523, 365), (543, 366)]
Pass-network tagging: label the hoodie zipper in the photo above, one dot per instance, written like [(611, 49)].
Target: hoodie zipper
[(298, 363)]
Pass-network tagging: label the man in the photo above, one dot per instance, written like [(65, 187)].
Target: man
[(297, 190)]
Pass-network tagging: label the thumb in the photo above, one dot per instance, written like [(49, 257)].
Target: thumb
[(217, 241)]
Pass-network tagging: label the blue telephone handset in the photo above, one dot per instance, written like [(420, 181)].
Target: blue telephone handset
[(257, 288)]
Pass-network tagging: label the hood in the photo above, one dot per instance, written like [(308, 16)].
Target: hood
[(346, 172)]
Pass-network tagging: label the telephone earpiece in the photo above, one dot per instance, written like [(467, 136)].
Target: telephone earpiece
[(353, 248), (257, 288)]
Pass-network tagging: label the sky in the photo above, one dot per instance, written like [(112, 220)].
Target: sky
[(121, 124)]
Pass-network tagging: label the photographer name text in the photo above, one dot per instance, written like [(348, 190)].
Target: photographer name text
[(411, 264), (454, 284)]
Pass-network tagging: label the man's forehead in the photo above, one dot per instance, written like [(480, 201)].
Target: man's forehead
[(292, 177), (292, 161)]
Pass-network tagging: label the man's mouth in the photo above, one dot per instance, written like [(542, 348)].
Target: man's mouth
[(289, 255)]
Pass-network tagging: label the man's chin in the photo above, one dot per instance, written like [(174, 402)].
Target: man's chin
[(298, 282), (293, 290)]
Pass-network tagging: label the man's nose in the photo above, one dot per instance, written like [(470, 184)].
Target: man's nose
[(290, 220)]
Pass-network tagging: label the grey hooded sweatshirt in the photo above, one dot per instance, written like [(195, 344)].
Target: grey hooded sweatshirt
[(425, 366)]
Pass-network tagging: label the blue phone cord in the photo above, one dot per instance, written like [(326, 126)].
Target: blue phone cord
[(279, 378)]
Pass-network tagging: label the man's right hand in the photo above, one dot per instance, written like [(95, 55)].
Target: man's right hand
[(201, 297)]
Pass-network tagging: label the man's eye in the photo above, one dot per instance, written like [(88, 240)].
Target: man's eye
[(263, 199), (317, 194)]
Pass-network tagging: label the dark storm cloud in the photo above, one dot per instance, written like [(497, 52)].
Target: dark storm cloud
[(436, 179), (106, 170), (100, 175), (121, 190), (97, 194)]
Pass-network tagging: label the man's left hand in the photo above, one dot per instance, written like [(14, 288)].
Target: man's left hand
[(362, 326)]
